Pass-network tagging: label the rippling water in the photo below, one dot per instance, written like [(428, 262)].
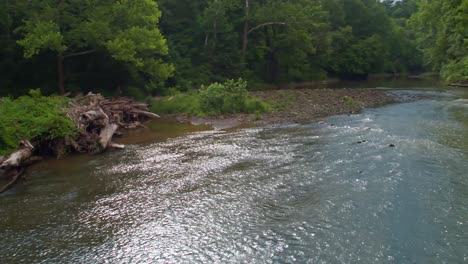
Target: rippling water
[(313, 193)]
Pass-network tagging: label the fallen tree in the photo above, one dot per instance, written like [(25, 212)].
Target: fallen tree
[(11, 168), (96, 118)]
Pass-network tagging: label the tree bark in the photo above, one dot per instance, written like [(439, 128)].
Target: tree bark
[(60, 73), (264, 25), (106, 134), (16, 159), (245, 38)]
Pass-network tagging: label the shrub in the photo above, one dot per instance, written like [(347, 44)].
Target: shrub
[(349, 101), (136, 93), (224, 98), (33, 117), (456, 71), (255, 105), (187, 103), (218, 98)]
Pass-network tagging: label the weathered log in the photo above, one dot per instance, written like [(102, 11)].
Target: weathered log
[(116, 146), (106, 135), (13, 167), (93, 115), (98, 119), (13, 180), (15, 159), (145, 113)]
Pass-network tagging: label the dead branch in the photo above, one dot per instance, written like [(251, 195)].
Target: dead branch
[(15, 159), (99, 118), (13, 180)]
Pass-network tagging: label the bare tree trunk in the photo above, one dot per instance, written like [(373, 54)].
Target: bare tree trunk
[(60, 58), (60, 73), (245, 39), (206, 40)]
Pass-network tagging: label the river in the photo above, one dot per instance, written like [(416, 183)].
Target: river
[(389, 185)]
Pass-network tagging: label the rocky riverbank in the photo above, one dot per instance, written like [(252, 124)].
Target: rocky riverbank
[(299, 106)]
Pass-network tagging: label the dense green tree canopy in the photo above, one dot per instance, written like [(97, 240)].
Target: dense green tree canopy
[(441, 29), (127, 30), (120, 46)]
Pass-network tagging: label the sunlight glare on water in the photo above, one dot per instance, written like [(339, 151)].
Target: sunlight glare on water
[(307, 193)]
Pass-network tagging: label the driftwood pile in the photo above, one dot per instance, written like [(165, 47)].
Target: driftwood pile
[(97, 118)]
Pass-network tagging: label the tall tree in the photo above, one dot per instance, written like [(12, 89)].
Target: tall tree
[(127, 30), (285, 36), (441, 29)]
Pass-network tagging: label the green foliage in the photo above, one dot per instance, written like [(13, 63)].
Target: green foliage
[(218, 98), (293, 48), (127, 30), (136, 93), (41, 35), (370, 37), (186, 103), (33, 117), (456, 71), (228, 97), (283, 101), (441, 29), (349, 101), (109, 46)]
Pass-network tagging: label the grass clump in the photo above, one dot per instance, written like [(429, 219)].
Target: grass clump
[(34, 117), (349, 101), (283, 101), (218, 98), (187, 103)]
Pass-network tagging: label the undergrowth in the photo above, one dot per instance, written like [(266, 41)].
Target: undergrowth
[(218, 98), (33, 117)]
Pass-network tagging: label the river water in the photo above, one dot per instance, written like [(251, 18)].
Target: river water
[(303, 193)]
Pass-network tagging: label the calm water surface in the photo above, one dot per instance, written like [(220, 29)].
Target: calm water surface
[(310, 193)]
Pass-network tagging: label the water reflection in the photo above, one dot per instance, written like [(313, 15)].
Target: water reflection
[(298, 193)]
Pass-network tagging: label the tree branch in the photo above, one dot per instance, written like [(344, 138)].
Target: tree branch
[(264, 25), (79, 53)]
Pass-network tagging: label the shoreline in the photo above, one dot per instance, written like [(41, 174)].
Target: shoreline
[(288, 106), (297, 106)]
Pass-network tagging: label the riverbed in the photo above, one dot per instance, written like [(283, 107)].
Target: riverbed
[(388, 185)]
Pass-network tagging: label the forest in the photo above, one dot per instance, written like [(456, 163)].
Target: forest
[(148, 47)]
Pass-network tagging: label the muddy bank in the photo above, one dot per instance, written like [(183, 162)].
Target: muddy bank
[(299, 106)]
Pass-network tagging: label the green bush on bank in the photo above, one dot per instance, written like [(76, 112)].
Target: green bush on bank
[(34, 117), (218, 98), (456, 71), (187, 103)]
